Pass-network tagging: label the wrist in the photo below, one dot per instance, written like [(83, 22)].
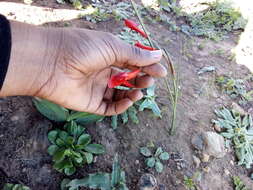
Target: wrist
[(31, 61)]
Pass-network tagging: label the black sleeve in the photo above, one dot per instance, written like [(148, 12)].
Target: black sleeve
[(5, 47)]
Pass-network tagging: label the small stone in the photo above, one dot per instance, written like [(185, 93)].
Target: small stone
[(137, 162), (196, 161), (214, 144), (206, 169), (14, 118), (205, 157), (238, 108), (232, 162), (95, 159), (197, 142), (139, 171), (147, 182), (217, 128), (226, 171)]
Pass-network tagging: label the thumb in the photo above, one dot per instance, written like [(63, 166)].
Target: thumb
[(135, 56)]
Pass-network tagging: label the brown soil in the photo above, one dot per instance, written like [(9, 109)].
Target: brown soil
[(23, 131)]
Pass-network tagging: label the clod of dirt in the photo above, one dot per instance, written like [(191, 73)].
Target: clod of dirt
[(147, 182), (210, 143)]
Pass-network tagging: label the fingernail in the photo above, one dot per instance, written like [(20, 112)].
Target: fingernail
[(156, 54)]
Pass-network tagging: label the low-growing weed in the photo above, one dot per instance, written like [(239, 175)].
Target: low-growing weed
[(239, 129), (239, 185), (155, 159), (189, 183), (71, 148), (218, 19), (9, 186), (235, 88), (104, 181)]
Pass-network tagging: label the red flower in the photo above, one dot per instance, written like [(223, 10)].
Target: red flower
[(123, 79), (133, 26), (138, 44)]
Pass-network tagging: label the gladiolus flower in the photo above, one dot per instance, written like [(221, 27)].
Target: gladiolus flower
[(138, 44), (133, 26), (123, 79)]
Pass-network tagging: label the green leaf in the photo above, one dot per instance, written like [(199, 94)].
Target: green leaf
[(86, 118), (150, 162), (63, 164), (164, 156), (52, 149), (88, 157), (64, 183), (60, 142), (74, 129), (124, 117), (95, 148), (93, 181), (84, 139), (69, 171), (132, 112), (159, 150), (52, 136), (63, 135), (145, 151), (115, 172), (159, 167), (114, 122), (59, 155), (50, 110), (9, 186), (151, 91)]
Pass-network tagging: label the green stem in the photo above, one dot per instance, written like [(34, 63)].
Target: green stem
[(174, 94), (142, 23)]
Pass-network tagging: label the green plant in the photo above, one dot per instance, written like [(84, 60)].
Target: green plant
[(57, 113), (154, 159), (240, 130), (239, 185), (148, 102), (9, 186), (104, 181), (219, 18), (235, 88), (71, 148), (189, 183)]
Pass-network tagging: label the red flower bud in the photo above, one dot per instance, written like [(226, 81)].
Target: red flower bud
[(123, 79), (133, 26)]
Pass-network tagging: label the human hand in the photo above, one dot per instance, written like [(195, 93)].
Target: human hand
[(72, 67)]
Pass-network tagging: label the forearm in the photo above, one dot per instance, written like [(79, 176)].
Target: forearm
[(28, 66)]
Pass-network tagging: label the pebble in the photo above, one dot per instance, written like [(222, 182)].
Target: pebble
[(209, 143), (147, 182), (196, 161), (205, 157), (14, 118), (226, 171), (206, 169), (137, 162)]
